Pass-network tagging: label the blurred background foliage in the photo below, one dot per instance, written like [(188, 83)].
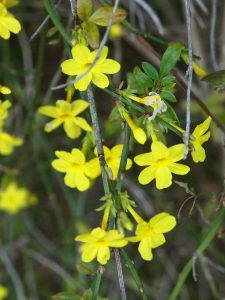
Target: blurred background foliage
[(38, 257)]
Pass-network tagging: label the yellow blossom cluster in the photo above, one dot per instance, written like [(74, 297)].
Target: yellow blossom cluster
[(14, 198)]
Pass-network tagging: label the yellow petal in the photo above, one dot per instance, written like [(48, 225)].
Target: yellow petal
[(145, 250), (102, 57), (108, 66), (5, 90), (4, 32), (144, 159), (89, 253), (92, 168), (176, 152), (60, 165), (78, 106), (70, 67), (49, 110), (178, 169), (100, 80), (65, 156), (116, 151), (78, 156), (129, 164), (103, 255), (12, 24), (198, 154), (163, 222), (147, 175), (157, 240), (159, 150), (163, 178), (82, 123), (71, 129), (53, 125), (80, 53), (204, 138), (70, 178), (202, 128), (83, 83), (82, 182)]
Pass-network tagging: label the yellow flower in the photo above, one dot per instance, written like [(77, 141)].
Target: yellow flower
[(5, 90), (162, 163), (150, 234), (112, 158), (82, 60), (3, 292), (78, 175), (8, 142), (198, 137), (8, 23), (67, 114), (97, 243), (154, 100), (14, 198), (116, 31), (4, 107)]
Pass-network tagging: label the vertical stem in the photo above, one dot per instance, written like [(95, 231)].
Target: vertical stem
[(98, 139), (120, 274)]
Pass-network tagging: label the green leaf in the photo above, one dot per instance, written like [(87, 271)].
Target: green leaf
[(150, 71), (84, 9), (166, 95), (143, 79), (92, 34), (170, 58), (136, 84), (168, 79), (66, 296), (102, 16)]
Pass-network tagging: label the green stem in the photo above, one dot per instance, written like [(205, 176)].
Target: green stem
[(56, 21), (135, 275), (96, 284), (213, 229), (123, 160), (98, 139)]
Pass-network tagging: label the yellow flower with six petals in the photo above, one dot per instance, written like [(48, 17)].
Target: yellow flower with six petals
[(98, 242), (67, 114), (82, 60), (150, 234), (78, 175), (112, 158), (8, 23), (197, 138), (161, 162)]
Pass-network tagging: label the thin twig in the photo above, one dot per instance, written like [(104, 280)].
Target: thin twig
[(189, 76), (120, 274), (212, 34), (101, 46), (148, 9), (73, 7), (20, 294), (203, 7), (38, 30), (98, 138)]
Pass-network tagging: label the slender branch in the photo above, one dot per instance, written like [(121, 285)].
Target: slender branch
[(73, 7), (212, 34), (189, 76), (120, 274), (101, 46), (12, 274), (98, 139)]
